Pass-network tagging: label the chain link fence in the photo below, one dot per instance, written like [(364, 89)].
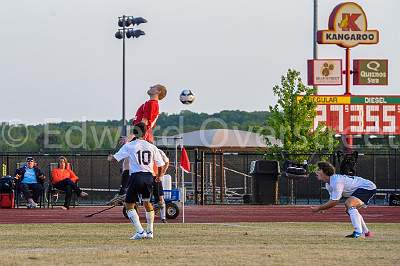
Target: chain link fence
[(215, 178)]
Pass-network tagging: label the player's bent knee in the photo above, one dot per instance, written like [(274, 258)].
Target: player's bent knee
[(148, 206), (353, 202)]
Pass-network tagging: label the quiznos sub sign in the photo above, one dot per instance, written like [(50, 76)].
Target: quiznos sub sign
[(370, 72), (348, 27)]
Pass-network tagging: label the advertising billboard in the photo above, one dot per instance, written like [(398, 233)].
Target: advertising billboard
[(348, 27), (325, 72), (350, 115), (370, 72)]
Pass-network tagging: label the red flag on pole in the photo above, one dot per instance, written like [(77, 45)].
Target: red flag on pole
[(185, 163)]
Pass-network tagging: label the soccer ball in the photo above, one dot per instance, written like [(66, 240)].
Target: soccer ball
[(187, 97)]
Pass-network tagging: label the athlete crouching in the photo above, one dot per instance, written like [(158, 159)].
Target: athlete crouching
[(357, 190)]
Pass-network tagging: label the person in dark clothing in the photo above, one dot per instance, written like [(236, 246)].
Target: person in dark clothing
[(30, 179)]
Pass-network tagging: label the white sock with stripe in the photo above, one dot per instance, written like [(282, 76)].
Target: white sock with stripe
[(162, 211), (363, 224), (134, 218), (150, 221), (355, 219)]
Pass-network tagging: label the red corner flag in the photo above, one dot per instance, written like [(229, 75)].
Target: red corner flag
[(185, 163)]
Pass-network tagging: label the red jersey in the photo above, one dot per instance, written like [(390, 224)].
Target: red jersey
[(149, 111)]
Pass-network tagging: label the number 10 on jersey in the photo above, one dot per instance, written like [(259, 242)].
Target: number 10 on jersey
[(144, 157)]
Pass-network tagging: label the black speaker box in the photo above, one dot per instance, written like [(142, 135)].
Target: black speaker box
[(264, 167)]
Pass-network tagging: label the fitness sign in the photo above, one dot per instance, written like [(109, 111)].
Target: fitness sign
[(348, 27)]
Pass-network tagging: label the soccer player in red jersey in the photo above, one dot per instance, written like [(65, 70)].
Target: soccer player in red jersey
[(147, 113)]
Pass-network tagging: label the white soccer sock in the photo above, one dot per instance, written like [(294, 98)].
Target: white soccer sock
[(355, 219), (134, 218), (364, 226), (150, 221), (162, 211)]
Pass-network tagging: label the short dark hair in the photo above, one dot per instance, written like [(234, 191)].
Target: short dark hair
[(327, 168), (139, 130)]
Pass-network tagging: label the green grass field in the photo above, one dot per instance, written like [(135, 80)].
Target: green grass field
[(198, 244)]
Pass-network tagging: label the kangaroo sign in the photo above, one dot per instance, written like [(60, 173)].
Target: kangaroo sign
[(348, 27)]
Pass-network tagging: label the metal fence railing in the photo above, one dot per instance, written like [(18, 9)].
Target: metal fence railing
[(215, 178), (382, 168)]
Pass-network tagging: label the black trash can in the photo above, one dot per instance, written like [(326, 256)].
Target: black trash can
[(265, 186)]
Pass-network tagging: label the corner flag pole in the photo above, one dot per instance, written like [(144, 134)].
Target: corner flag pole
[(183, 187), (183, 196), (185, 167)]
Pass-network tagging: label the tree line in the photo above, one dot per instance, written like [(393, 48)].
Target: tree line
[(104, 135)]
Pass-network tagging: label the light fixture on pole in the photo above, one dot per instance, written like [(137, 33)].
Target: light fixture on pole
[(126, 24)]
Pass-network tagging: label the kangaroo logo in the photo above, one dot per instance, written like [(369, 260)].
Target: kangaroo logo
[(348, 22)]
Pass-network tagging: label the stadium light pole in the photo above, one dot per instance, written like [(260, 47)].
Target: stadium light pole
[(315, 30), (125, 24)]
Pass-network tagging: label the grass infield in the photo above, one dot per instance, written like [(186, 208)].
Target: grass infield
[(198, 244)]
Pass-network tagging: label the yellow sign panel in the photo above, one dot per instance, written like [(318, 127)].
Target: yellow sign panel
[(326, 99), (4, 169)]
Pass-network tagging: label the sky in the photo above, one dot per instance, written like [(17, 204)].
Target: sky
[(60, 61)]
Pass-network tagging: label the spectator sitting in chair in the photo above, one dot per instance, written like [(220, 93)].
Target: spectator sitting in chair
[(30, 179), (63, 178)]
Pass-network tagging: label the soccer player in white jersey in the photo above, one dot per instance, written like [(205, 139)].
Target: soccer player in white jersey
[(357, 190), (142, 157)]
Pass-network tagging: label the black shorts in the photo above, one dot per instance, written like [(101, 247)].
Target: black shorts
[(125, 179), (158, 190), (140, 184), (364, 194)]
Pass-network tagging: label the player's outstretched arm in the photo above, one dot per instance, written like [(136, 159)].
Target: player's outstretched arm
[(326, 206), (120, 155), (111, 158)]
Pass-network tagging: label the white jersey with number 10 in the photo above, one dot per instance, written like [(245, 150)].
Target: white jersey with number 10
[(141, 154)]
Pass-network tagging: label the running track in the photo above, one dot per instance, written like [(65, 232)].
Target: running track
[(202, 214)]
